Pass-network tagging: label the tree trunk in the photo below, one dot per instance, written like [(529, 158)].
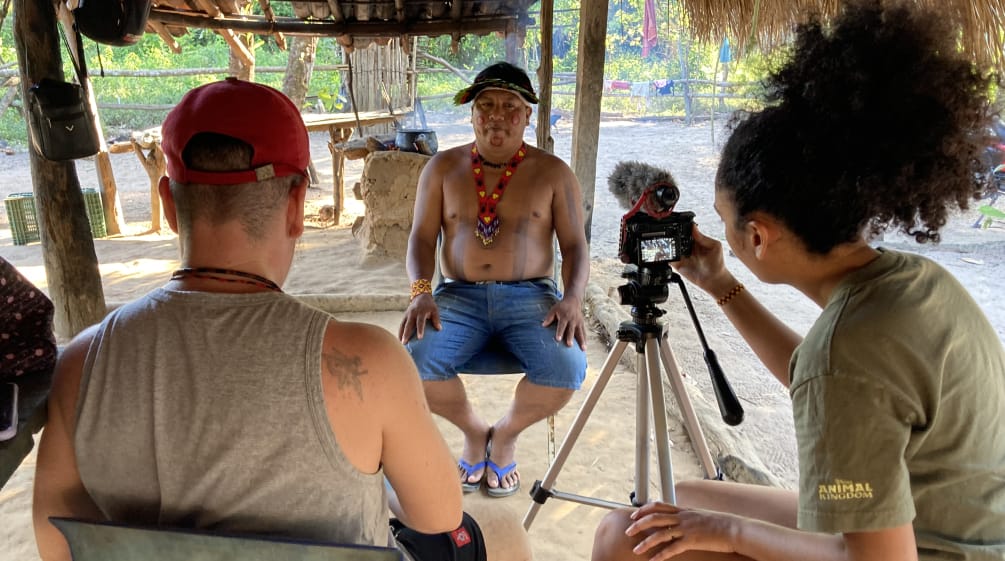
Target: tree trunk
[(299, 67), (589, 93), (71, 266), (242, 67), (8, 98), (683, 48), (514, 46)]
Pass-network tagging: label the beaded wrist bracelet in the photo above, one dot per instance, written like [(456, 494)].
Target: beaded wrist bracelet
[(729, 295), (420, 286)]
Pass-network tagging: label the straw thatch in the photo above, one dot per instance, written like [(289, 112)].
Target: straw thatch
[(769, 23)]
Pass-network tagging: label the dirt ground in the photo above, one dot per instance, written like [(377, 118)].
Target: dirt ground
[(330, 262)]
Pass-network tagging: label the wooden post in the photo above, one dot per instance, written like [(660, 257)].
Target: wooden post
[(71, 266), (544, 76), (338, 136), (413, 76), (112, 207), (156, 167), (589, 93)]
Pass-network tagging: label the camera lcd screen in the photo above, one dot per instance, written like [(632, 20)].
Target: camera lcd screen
[(658, 250)]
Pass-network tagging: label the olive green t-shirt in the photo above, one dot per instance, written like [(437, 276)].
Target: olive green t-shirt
[(898, 397)]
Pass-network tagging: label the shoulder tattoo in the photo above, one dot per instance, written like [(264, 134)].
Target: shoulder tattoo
[(347, 370)]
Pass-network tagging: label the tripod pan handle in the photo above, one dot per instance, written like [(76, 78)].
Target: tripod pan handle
[(729, 405)]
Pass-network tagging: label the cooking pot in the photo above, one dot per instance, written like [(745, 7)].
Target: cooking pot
[(422, 141)]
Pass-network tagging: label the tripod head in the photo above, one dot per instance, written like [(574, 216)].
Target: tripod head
[(648, 286)]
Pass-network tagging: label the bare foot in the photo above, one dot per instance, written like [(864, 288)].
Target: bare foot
[(474, 454), (503, 453)]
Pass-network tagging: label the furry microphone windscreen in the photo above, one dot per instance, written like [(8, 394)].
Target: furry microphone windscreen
[(630, 180)]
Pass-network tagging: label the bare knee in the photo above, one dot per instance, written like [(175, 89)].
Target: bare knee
[(561, 398), (610, 542), (445, 395), (539, 400)]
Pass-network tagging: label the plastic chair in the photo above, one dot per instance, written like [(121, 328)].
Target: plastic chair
[(104, 541)]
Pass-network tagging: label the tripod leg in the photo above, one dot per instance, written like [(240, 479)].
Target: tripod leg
[(643, 422), (694, 431), (660, 421), (574, 431)]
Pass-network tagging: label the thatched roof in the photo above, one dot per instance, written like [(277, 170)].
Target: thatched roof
[(346, 19), (770, 22)]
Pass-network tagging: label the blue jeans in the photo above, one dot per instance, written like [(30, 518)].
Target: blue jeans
[(507, 314)]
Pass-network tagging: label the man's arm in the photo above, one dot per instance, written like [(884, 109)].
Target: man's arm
[(420, 257), (380, 417), (58, 488), (567, 215), (763, 541)]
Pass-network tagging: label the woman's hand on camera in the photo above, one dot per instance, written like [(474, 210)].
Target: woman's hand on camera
[(705, 267)]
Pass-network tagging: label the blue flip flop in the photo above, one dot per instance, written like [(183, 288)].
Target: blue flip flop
[(466, 485), (500, 474)]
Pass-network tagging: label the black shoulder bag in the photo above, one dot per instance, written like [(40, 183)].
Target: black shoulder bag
[(62, 127)]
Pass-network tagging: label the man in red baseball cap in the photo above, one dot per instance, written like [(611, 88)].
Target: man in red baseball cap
[(260, 116), (219, 402)]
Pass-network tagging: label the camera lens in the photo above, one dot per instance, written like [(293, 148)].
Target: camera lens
[(666, 194)]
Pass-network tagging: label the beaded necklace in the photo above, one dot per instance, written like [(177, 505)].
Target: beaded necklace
[(214, 274), (488, 223)]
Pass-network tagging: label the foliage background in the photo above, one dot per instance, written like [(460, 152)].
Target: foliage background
[(203, 48)]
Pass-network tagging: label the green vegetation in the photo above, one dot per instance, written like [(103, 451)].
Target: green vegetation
[(990, 215), (201, 48), (624, 60)]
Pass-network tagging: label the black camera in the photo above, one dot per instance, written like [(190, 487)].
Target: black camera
[(658, 238), (652, 241)]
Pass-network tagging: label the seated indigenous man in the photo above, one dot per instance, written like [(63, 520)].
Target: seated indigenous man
[(498, 204), (218, 402)]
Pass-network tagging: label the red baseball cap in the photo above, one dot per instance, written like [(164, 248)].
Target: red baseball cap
[(254, 113)]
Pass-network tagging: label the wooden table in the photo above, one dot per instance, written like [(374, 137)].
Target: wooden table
[(340, 127), (33, 394)]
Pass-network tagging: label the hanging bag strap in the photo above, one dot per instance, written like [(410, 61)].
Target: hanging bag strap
[(77, 59)]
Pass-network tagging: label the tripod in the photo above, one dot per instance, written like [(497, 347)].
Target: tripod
[(652, 348)]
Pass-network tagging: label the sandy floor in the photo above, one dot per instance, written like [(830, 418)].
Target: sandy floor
[(601, 463)]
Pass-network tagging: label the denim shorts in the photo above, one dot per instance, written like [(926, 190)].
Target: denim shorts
[(505, 314)]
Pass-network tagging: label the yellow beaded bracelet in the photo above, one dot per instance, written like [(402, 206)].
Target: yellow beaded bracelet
[(420, 286), (729, 295)]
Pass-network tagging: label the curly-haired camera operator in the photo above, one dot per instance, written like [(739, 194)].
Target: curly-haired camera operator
[(898, 389)]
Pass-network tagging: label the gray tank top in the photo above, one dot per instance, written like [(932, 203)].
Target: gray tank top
[(206, 411)]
